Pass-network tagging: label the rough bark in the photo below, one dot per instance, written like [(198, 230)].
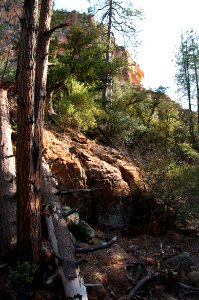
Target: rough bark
[(28, 204), (62, 243), (43, 40), (7, 180)]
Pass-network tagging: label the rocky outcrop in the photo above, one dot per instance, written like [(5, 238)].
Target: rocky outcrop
[(132, 72), (78, 163)]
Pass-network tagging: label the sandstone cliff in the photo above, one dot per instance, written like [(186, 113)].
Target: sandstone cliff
[(79, 163)]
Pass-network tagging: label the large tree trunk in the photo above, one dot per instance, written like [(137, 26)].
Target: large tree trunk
[(62, 243), (28, 209), (43, 40), (7, 180)]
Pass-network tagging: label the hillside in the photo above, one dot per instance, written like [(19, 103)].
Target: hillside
[(99, 194), (105, 186)]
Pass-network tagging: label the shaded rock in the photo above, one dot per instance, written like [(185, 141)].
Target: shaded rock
[(73, 218), (178, 262), (193, 278), (82, 231)]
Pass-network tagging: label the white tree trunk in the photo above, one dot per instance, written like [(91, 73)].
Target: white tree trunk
[(7, 180), (62, 243)]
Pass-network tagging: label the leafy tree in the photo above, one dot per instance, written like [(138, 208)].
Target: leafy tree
[(187, 76), (78, 106), (194, 48), (80, 56), (117, 18)]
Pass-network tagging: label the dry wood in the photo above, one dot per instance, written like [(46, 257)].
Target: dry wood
[(188, 287), (62, 243), (96, 248), (139, 285), (64, 191)]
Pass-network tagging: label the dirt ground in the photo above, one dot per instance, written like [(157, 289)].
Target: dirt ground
[(116, 268), (114, 272)]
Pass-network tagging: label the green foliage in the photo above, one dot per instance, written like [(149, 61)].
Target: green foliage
[(7, 70), (187, 153), (22, 274), (78, 107), (183, 180), (83, 56)]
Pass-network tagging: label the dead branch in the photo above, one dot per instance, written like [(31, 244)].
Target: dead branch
[(4, 265), (139, 285), (96, 248), (72, 191), (188, 287), (49, 32)]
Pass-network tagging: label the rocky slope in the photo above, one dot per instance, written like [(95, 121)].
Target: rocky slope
[(110, 179)]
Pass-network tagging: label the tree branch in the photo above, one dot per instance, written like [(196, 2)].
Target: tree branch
[(140, 284), (49, 32), (96, 248), (64, 192)]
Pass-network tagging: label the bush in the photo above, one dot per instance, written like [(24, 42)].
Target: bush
[(79, 108), (22, 274)]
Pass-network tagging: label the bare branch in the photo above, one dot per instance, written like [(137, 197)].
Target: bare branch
[(49, 32), (188, 287), (96, 248), (64, 192), (140, 284)]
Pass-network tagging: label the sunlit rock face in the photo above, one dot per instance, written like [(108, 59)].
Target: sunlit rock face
[(79, 163), (132, 72), (10, 12)]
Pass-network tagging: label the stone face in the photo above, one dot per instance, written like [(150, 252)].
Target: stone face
[(193, 278), (79, 163), (82, 231), (132, 71)]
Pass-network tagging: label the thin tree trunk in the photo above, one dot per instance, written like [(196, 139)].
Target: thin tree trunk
[(107, 81), (197, 85), (49, 103), (186, 67), (28, 202), (7, 179)]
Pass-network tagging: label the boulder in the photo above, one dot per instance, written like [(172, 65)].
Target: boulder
[(78, 163)]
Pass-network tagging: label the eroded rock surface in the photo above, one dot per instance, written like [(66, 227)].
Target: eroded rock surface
[(79, 163)]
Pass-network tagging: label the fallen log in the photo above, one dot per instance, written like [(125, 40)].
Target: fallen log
[(61, 242), (97, 247)]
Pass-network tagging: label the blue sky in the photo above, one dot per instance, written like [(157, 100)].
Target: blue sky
[(161, 29)]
